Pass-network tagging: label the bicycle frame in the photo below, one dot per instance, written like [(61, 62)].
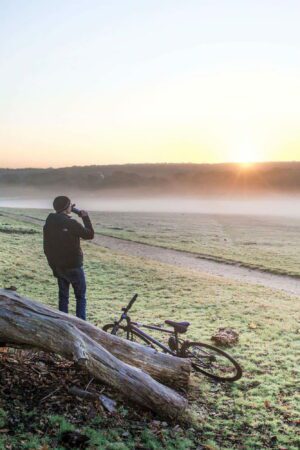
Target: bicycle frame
[(135, 326)]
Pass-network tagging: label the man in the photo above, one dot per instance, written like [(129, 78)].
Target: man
[(62, 248)]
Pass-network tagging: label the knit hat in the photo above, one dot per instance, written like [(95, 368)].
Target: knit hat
[(61, 203)]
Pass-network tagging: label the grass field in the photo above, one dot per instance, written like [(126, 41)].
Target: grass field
[(257, 412), (267, 243)]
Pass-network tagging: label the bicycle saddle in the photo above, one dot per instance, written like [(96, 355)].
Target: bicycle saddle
[(180, 327)]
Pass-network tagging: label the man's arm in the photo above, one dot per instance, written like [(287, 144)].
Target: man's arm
[(86, 231)]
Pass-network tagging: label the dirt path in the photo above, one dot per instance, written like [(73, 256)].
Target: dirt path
[(190, 261)]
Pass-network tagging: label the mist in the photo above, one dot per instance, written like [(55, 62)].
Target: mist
[(284, 206)]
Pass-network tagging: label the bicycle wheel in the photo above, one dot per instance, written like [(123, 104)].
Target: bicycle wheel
[(212, 361), (123, 332)]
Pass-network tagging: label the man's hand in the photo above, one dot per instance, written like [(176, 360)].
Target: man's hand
[(83, 213)]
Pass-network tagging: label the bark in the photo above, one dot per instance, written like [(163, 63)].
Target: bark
[(167, 369), (25, 322)]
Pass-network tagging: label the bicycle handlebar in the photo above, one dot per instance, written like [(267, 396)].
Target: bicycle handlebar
[(130, 304)]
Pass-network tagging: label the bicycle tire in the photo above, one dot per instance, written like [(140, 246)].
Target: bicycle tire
[(122, 331), (209, 352)]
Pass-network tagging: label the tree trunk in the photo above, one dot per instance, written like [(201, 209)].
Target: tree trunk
[(25, 322)]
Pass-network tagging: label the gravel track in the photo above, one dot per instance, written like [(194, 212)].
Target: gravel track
[(190, 261)]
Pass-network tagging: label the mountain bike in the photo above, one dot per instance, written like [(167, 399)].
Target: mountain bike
[(205, 358)]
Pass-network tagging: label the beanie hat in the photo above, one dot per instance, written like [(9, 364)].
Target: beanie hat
[(61, 203)]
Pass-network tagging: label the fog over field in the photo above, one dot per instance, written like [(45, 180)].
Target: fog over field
[(286, 206)]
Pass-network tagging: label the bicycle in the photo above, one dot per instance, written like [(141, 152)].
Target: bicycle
[(205, 358)]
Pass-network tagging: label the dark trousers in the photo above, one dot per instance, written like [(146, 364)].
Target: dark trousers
[(76, 278)]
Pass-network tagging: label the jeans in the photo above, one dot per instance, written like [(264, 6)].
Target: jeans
[(76, 278)]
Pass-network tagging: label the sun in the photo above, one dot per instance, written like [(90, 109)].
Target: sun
[(246, 154)]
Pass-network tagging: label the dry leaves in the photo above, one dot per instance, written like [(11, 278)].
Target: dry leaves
[(226, 337)]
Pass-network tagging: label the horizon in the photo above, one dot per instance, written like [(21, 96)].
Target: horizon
[(154, 182), (246, 165), (131, 83)]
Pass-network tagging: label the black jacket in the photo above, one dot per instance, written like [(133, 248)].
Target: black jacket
[(62, 240)]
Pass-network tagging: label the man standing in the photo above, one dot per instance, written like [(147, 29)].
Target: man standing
[(62, 248)]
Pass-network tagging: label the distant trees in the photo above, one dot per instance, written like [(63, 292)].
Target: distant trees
[(163, 178)]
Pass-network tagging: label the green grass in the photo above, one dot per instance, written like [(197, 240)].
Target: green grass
[(3, 418), (259, 411), (267, 243), (116, 438)]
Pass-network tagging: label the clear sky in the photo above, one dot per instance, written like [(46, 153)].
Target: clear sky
[(120, 81)]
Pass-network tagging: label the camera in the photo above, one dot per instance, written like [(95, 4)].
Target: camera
[(76, 210)]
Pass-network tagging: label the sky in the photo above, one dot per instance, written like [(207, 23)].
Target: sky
[(144, 81)]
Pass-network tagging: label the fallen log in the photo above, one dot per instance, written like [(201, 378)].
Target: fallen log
[(25, 322), (167, 369)]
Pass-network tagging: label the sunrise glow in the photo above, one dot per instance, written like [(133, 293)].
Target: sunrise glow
[(96, 85), (246, 154)]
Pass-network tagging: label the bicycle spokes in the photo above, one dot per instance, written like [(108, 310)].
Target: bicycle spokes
[(213, 362)]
